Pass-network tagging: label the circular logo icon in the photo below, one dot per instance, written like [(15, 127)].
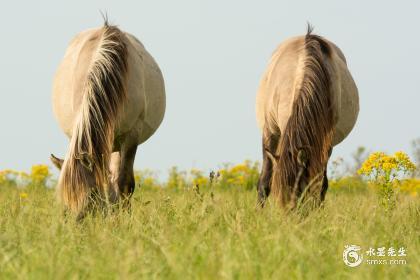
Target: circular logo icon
[(351, 256)]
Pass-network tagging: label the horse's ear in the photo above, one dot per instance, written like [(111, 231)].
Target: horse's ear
[(56, 161)]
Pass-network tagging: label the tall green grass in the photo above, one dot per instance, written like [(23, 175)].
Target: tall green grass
[(218, 234)]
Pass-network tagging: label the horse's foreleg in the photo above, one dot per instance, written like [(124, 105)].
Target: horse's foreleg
[(269, 145), (114, 167), (122, 175), (264, 181)]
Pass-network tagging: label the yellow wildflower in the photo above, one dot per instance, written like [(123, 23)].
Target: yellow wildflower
[(39, 174), (383, 170), (23, 195), (411, 186), (380, 164)]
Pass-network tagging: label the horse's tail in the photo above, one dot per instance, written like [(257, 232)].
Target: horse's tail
[(86, 169), (308, 135)]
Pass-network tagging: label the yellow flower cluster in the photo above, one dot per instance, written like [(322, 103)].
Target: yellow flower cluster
[(146, 179), (10, 177), (404, 160), (235, 175), (245, 174), (39, 175), (177, 179), (383, 171), (198, 178), (411, 186), (380, 164), (23, 195)]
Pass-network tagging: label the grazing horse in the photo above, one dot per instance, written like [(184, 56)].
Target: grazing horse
[(307, 103), (108, 97)]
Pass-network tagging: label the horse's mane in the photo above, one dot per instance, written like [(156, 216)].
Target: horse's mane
[(93, 131), (310, 125)]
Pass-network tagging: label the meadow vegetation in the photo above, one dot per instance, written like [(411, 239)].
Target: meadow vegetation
[(200, 225)]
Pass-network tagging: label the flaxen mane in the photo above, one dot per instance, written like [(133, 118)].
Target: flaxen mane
[(309, 130), (85, 170)]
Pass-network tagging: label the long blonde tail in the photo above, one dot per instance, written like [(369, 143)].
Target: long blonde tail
[(86, 167)]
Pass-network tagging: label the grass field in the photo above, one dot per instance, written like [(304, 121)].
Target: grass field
[(178, 234)]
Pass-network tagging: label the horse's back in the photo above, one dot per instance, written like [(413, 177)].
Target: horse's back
[(145, 106)]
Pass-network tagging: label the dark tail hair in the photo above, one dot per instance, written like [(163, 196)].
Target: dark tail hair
[(310, 126), (85, 170)]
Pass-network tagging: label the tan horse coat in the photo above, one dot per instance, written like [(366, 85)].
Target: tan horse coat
[(284, 75), (297, 66), (111, 90), (145, 108)]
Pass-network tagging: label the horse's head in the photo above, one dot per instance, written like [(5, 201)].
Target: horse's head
[(297, 177), (84, 160), (76, 182)]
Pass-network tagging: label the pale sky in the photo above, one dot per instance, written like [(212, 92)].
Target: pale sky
[(212, 55)]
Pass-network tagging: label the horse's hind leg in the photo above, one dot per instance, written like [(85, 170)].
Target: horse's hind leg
[(269, 145), (126, 179), (324, 187)]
